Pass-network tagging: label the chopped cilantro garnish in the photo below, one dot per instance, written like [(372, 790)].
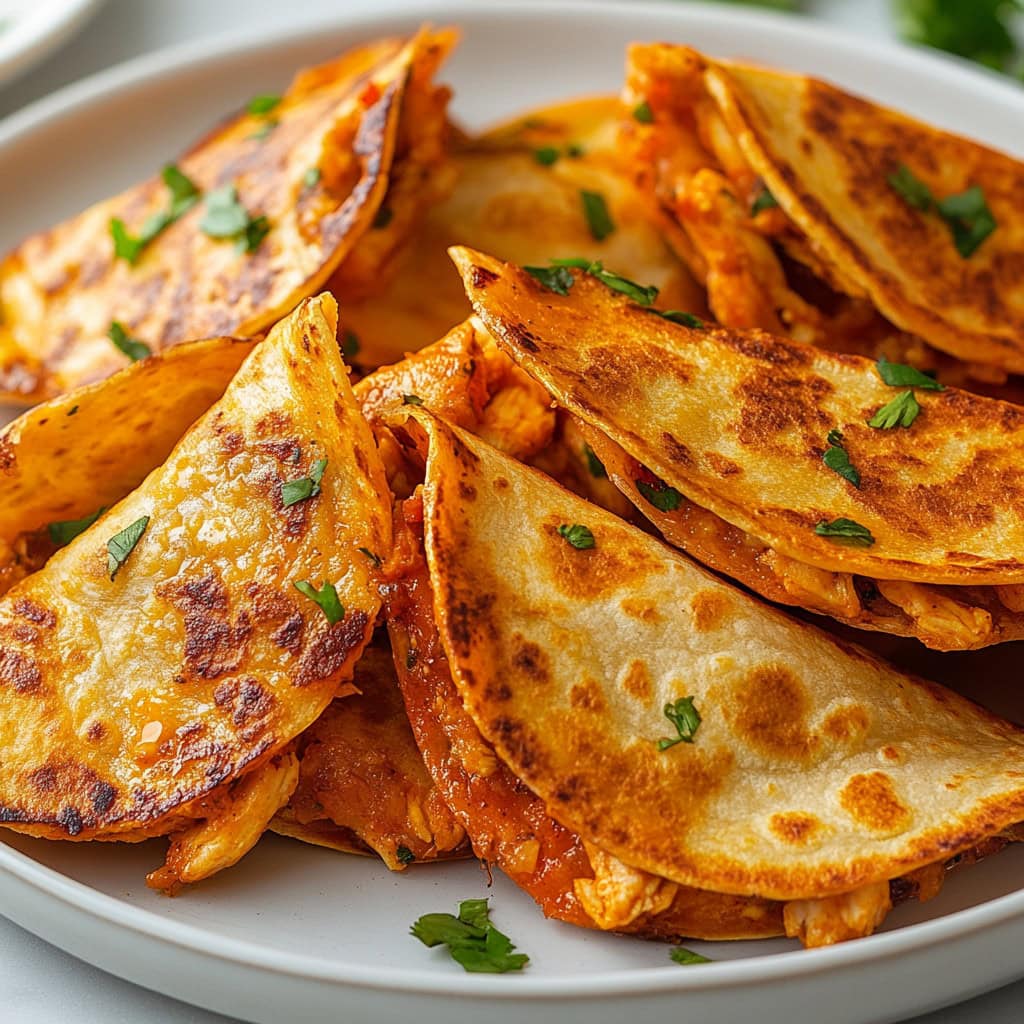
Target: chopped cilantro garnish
[(120, 546), (899, 376), (763, 201), (65, 531), (838, 460), (660, 495), (594, 464), (124, 342), (555, 279), (966, 213), (685, 717), (471, 938), (574, 151), (578, 536), (682, 955), (845, 531), (546, 155), (260, 105), (404, 855), (642, 112), (326, 598), (900, 412), (678, 316), (227, 218), (183, 196), (411, 400), (642, 295), (595, 209), (311, 177), (294, 491)]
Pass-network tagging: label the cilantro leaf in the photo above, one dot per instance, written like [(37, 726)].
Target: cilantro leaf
[(326, 598), (184, 195), (967, 214), (911, 188), (227, 218), (264, 129), (546, 155), (595, 209), (350, 344), (764, 200), (404, 855), (838, 460), (900, 376), (642, 112), (580, 537), (681, 955), (294, 491), (845, 531), (969, 219), (65, 531), (260, 105), (411, 400), (555, 279), (678, 316), (900, 412), (594, 464), (121, 545), (311, 177), (471, 938), (124, 342), (685, 717), (642, 295), (660, 495)]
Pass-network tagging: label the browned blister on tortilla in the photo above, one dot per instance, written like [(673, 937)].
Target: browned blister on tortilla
[(816, 773), (133, 687), (316, 167)]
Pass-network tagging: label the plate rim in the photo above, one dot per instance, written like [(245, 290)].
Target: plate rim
[(148, 69)]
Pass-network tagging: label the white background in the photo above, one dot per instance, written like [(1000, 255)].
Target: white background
[(41, 985)]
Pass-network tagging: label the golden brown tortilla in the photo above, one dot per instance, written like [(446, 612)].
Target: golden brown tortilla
[(60, 290), (129, 703)]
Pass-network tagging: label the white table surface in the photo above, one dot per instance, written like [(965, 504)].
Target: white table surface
[(42, 985)]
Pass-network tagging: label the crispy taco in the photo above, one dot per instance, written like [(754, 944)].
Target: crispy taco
[(863, 491), (645, 748), (66, 460), (814, 212), (255, 217), (156, 670), (519, 193)]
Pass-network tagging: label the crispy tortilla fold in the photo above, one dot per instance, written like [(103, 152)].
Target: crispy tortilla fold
[(340, 123), (814, 773), (782, 186), (68, 457), (738, 421), (509, 826), (507, 202), (362, 784), (134, 688)]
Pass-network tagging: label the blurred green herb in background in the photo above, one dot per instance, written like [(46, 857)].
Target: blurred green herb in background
[(980, 30)]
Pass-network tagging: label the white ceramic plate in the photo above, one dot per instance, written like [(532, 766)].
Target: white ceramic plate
[(32, 29), (301, 934)]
